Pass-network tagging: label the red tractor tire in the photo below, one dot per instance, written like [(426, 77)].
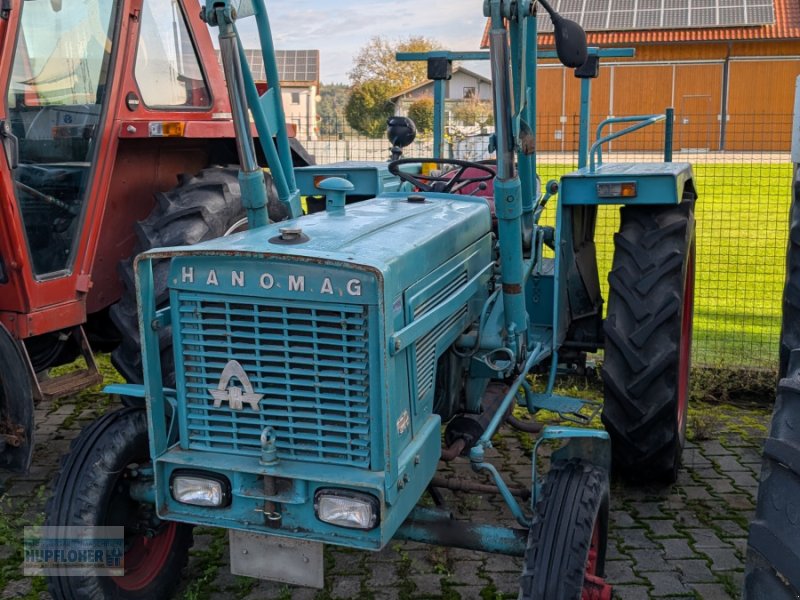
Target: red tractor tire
[(16, 406)]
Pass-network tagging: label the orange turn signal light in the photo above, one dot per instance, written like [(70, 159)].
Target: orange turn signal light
[(167, 128), (621, 189)]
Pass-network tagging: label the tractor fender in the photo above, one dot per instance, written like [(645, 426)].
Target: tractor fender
[(16, 406), (590, 445)]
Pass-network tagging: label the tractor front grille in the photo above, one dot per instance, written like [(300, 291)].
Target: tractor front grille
[(308, 362)]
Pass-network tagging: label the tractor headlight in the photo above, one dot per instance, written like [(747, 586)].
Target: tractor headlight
[(346, 509), (200, 488)]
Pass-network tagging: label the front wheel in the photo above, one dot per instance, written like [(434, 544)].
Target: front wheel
[(92, 489), (566, 552), (648, 332)]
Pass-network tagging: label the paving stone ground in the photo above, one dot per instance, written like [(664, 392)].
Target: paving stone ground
[(683, 541)]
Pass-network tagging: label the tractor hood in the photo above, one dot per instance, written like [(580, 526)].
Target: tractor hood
[(401, 236)]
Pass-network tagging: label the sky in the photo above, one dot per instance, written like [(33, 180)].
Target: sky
[(339, 28)]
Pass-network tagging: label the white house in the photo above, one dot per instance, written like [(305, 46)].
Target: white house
[(463, 85), (298, 71)]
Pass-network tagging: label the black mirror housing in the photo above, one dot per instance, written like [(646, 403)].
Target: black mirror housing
[(401, 131), (590, 69), (571, 44)]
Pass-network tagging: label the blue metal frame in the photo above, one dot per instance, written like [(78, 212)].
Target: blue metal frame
[(267, 111), (439, 89), (640, 121)]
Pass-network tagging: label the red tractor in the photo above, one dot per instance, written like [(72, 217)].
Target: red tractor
[(106, 105)]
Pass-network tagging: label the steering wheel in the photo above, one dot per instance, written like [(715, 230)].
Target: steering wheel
[(449, 182)]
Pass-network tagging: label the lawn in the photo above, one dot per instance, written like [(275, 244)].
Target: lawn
[(742, 214)]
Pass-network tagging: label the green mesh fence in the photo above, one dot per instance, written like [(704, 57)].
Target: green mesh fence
[(743, 173)]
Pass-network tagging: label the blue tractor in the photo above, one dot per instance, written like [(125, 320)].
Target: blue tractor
[(318, 359)]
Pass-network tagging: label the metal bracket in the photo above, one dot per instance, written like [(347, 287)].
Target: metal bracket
[(510, 9), (10, 141)]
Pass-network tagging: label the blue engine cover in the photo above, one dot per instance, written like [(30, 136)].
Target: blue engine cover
[(295, 338)]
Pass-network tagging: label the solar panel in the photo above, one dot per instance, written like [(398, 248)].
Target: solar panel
[(293, 65), (298, 65), (616, 15)]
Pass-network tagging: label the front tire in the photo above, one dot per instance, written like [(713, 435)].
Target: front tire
[(92, 490), (566, 551), (648, 331)]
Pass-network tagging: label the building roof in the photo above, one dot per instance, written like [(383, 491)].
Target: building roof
[(458, 69), (785, 27)]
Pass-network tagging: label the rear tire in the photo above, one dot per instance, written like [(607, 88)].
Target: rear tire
[(648, 331), (790, 326), (567, 541), (199, 208), (773, 548), (92, 490), (16, 406), (772, 571)]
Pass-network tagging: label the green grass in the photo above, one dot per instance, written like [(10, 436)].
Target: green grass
[(742, 216)]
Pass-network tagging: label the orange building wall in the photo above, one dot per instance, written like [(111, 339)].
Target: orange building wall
[(690, 78)]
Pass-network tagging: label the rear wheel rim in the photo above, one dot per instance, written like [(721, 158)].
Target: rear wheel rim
[(684, 359)]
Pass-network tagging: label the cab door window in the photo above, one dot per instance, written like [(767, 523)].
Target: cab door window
[(55, 100), (167, 69)]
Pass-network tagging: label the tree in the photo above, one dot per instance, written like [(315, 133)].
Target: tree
[(332, 103), (473, 112), (368, 108), (421, 112), (376, 62), (376, 76)]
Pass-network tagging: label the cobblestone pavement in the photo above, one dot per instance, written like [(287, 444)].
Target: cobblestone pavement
[(685, 541)]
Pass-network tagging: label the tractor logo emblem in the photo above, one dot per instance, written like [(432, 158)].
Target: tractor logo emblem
[(235, 396)]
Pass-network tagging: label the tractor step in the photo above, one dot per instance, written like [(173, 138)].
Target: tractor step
[(60, 386), (67, 384)]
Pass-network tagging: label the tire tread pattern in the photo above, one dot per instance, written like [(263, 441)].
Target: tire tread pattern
[(772, 570), (199, 208), (574, 497), (86, 477), (643, 329), (790, 326)]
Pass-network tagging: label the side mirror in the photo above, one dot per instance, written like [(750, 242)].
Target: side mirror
[(570, 39), (401, 131), (570, 42)]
